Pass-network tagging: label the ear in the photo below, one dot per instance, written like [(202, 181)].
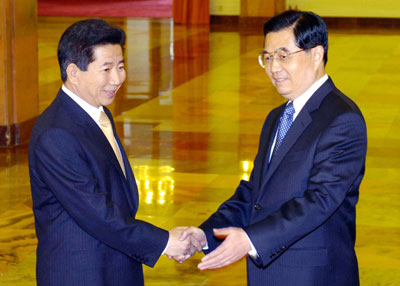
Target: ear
[(318, 55), (72, 73)]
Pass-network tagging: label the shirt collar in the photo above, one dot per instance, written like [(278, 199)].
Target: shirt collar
[(93, 111), (299, 102)]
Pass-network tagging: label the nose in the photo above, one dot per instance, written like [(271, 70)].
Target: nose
[(275, 65), (117, 77)]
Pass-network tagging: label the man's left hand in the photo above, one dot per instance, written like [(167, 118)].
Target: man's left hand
[(235, 246)]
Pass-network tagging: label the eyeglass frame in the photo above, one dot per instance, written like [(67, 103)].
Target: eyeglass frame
[(275, 56)]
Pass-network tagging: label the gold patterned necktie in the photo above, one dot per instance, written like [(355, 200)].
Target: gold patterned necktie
[(106, 127)]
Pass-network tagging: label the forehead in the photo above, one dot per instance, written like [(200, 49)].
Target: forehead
[(283, 39), (107, 52)]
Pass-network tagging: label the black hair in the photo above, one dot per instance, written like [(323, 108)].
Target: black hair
[(309, 29), (79, 40)]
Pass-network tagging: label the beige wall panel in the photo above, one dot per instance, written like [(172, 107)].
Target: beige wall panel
[(225, 7)]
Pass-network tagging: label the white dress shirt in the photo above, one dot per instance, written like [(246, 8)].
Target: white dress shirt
[(94, 112)]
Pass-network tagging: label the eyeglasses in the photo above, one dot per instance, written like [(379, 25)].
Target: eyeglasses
[(265, 58)]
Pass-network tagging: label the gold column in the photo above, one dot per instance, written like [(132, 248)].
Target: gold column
[(18, 71)]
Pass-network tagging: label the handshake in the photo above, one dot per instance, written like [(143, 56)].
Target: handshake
[(185, 241)]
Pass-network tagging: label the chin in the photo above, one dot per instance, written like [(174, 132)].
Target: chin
[(286, 95), (107, 102), (284, 92)]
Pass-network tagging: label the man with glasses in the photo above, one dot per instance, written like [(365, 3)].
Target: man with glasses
[(295, 218)]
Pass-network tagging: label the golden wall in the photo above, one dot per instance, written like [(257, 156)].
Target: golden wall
[(346, 8), (328, 8)]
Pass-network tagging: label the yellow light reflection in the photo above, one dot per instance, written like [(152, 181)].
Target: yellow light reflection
[(155, 184), (149, 197), (161, 199), (245, 165)]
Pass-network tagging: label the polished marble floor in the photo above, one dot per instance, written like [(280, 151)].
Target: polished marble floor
[(190, 114)]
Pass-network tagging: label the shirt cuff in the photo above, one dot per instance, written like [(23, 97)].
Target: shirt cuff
[(165, 249), (253, 252)]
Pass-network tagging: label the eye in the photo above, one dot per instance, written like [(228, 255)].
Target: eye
[(267, 58), (283, 56), (106, 69), (121, 67)]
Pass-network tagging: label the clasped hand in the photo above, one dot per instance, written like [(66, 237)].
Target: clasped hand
[(184, 242), (235, 246)]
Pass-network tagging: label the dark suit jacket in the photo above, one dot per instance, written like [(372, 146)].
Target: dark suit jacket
[(84, 207), (300, 216)]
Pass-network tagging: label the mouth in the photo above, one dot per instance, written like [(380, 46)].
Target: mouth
[(279, 81), (110, 93), (278, 78)]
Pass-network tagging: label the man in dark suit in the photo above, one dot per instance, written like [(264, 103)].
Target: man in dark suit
[(84, 193), (295, 217)]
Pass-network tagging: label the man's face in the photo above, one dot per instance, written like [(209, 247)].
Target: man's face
[(104, 76), (297, 72)]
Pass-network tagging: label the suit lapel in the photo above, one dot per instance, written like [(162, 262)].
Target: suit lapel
[(265, 145), (297, 128), (131, 194), (131, 190)]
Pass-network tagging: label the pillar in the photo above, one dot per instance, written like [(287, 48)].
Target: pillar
[(19, 104), (191, 11)]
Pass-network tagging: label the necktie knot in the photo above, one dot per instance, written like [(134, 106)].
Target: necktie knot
[(289, 109), (104, 120)]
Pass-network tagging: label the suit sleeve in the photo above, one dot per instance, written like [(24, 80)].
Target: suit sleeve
[(233, 212), (63, 168), (337, 171), (236, 211)]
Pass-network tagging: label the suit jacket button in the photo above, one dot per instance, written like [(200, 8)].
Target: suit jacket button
[(257, 207)]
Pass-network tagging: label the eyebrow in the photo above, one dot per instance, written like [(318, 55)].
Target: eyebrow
[(280, 49), (111, 63)]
